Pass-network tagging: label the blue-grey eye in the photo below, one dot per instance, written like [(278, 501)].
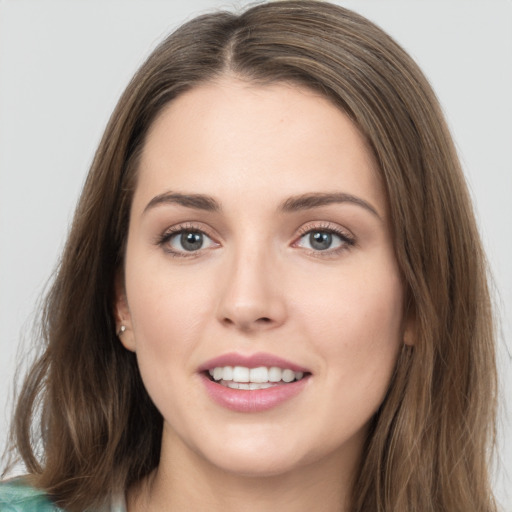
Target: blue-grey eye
[(190, 241), (319, 240)]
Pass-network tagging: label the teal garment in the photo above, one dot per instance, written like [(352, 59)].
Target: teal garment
[(17, 496)]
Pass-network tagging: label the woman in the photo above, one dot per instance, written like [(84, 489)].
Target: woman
[(264, 298)]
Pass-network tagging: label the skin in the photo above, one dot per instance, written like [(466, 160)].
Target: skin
[(257, 285)]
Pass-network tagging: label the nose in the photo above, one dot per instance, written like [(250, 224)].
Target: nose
[(252, 294)]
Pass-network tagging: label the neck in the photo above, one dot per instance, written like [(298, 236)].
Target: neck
[(184, 482)]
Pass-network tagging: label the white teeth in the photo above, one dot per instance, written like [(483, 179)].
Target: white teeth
[(241, 377), (288, 375), (241, 374), (274, 374), (218, 373), (258, 374), (221, 373), (247, 385), (227, 373)]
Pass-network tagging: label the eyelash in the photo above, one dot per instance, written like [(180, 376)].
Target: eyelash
[(164, 239), (347, 240)]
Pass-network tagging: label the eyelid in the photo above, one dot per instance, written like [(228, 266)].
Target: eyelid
[(326, 226), (348, 239), (163, 238)]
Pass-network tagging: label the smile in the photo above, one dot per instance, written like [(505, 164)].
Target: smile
[(253, 383), (242, 377)]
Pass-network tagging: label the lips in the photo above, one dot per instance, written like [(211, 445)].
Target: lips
[(251, 361), (252, 383)]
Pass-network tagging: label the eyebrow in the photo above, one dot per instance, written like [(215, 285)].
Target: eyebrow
[(316, 200), (292, 204), (196, 201)]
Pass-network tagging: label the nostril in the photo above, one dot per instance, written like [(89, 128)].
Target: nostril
[(247, 325), (248, 322)]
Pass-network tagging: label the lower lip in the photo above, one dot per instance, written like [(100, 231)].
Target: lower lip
[(255, 400)]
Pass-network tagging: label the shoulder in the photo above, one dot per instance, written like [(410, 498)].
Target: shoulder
[(17, 496)]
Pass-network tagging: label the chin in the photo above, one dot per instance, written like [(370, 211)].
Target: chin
[(260, 456), (257, 465), (283, 452)]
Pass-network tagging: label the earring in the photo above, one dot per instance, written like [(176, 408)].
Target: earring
[(121, 330)]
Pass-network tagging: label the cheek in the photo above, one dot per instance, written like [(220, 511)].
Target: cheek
[(167, 313), (166, 329), (359, 337), (356, 323)]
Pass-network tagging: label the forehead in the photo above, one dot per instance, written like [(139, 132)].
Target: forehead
[(231, 137)]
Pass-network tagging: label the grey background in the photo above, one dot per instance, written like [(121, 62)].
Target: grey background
[(63, 65)]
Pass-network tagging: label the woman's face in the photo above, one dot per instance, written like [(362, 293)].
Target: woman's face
[(259, 239)]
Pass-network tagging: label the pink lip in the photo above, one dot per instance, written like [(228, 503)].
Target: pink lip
[(256, 400), (251, 361)]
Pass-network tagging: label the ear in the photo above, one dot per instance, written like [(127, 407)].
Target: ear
[(122, 314)]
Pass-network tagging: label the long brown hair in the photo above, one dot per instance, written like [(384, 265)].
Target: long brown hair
[(429, 442)]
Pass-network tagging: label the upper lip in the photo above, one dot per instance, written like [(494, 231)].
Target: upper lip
[(251, 361)]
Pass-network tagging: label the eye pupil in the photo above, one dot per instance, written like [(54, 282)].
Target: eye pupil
[(320, 240), (191, 241)]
